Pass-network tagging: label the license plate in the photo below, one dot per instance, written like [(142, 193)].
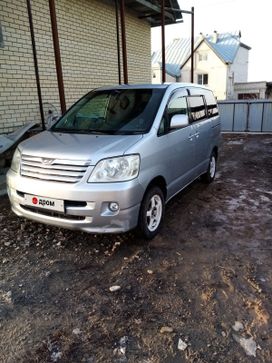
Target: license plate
[(44, 203)]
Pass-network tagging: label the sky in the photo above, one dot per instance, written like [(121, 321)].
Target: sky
[(252, 17)]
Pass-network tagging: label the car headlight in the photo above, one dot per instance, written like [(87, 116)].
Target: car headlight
[(117, 169), (16, 161)]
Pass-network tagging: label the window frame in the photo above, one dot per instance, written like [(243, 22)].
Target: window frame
[(202, 79), (189, 109), (203, 91), (167, 130), (202, 56), (161, 94)]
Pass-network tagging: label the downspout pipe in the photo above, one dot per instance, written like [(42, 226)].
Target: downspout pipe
[(163, 39), (192, 42), (54, 27), (35, 60), (118, 40), (124, 43)]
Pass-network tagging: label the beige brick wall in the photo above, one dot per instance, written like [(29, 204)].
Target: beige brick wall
[(89, 55)]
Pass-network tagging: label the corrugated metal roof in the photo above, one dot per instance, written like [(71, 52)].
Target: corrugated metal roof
[(175, 53), (226, 46), (179, 50)]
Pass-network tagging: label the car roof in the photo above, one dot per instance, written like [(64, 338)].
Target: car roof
[(171, 86), (134, 86)]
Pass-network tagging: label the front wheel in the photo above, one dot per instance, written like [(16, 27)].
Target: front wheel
[(151, 213), (209, 176)]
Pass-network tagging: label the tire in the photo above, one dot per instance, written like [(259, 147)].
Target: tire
[(209, 176), (151, 213)]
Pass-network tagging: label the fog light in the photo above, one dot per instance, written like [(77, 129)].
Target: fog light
[(114, 207)]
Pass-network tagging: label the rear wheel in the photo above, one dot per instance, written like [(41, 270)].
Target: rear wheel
[(151, 212), (209, 176)]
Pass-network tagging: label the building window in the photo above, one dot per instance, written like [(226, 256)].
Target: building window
[(202, 79), (248, 96), (202, 57), (1, 37), (154, 75)]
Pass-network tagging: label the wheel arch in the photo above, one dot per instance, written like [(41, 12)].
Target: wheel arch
[(160, 182), (215, 151)]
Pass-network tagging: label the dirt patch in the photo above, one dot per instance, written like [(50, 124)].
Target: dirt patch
[(209, 267)]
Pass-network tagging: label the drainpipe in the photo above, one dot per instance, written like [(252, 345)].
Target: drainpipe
[(124, 44), (35, 60), (55, 36), (118, 39), (163, 39)]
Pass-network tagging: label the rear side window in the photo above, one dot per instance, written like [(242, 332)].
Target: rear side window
[(197, 108), (212, 107)]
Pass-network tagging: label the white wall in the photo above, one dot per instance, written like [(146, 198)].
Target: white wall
[(240, 65), (213, 66), (157, 72), (238, 71), (250, 87)]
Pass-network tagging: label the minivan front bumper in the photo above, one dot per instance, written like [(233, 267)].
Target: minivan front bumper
[(86, 205)]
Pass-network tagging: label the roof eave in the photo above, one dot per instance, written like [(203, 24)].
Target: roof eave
[(195, 49), (245, 46), (151, 11), (227, 62)]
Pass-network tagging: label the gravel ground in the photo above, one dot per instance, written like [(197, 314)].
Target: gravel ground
[(199, 292)]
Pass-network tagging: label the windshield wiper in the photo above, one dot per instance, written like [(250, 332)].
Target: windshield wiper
[(103, 132), (84, 131), (63, 129), (96, 132)]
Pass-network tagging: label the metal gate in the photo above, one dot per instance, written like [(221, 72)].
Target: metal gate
[(246, 116)]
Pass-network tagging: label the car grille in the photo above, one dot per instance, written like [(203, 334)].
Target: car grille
[(52, 214), (53, 169)]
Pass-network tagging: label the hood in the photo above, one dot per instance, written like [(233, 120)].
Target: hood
[(90, 148)]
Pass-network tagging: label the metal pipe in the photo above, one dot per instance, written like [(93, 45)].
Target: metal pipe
[(186, 11), (55, 36), (118, 39), (233, 118), (262, 118), (247, 117), (179, 10), (192, 42), (176, 22), (163, 39), (35, 60), (124, 44)]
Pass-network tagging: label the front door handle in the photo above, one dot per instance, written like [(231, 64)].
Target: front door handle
[(191, 137)]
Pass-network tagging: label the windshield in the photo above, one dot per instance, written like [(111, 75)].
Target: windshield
[(119, 111)]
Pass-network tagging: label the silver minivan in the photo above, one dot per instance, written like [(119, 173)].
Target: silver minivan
[(116, 157)]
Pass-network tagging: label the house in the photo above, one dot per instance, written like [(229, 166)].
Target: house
[(87, 32), (220, 60), (175, 53), (253, 90)]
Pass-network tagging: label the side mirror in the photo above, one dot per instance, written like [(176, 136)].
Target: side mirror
[(51, 122), (178, 121)]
